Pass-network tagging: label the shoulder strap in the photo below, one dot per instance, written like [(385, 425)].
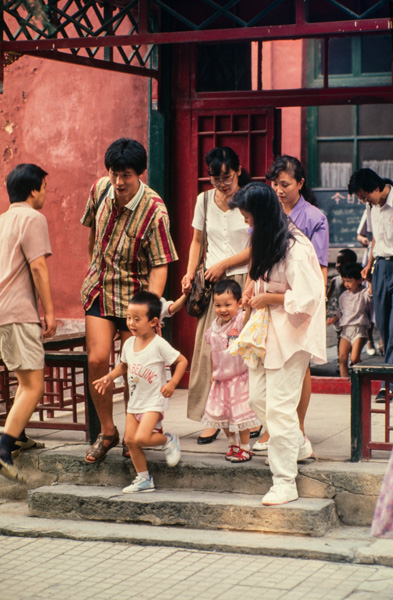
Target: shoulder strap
[(203, 248)]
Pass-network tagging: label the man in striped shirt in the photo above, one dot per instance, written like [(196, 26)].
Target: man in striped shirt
[(129, 248)]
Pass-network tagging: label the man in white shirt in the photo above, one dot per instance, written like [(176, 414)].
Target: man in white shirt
[(378, 194)]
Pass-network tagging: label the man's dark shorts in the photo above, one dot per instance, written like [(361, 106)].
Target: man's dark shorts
[(94, 311)]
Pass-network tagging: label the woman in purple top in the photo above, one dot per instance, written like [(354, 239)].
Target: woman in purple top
[(298, 202)]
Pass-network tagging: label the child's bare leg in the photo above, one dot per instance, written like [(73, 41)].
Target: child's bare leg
[(244, 437), (228, 433), (344, 350), (357, 348), (231, 437), (136, 453), (139, 435)]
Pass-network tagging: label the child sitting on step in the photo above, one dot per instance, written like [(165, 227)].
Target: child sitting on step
[(227, 404), (143, 358), (352, 316)]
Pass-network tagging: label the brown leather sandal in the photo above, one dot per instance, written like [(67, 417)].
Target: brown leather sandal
[(10, 471), (98, 451), (125, 452)]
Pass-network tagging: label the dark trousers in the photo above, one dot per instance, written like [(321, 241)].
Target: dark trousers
[(382, 282)]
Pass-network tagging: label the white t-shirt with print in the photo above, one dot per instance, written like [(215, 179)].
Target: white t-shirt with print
[(146, 374)]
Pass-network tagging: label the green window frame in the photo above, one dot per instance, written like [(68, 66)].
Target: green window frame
[(355, 78)]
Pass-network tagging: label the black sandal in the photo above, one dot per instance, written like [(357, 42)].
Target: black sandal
[(256, 434)]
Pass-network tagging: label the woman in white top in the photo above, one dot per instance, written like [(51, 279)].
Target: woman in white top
[(227, 255), (288, 280)]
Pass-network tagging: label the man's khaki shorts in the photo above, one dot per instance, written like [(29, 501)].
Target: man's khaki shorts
[(21, 347)]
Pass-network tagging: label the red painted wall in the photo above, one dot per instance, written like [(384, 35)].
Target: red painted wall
[(63, 117), (282, 68)]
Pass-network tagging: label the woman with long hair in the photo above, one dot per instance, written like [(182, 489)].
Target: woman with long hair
[(299, 203), (227, 255), (288, 280)]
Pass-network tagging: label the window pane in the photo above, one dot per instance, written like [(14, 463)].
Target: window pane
[(376, 119), (335, 151), (340, 56), (378, 150), (224, 67), (376, 54), (335, 121), (335, 164)]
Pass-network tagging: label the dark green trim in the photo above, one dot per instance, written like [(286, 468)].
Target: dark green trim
[(312, 146), (159, 147)]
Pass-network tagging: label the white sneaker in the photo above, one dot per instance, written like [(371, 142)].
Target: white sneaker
[(370, 349), (260, 446), (280, 493), (305, 450), (140, 484), (172, 450)]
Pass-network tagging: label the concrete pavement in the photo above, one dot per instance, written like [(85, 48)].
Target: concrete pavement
[(47, 569)]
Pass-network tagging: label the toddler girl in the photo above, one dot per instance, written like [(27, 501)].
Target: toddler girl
[(227, 404)]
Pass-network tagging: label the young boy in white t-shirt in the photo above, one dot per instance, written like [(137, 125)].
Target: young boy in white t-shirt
[(143, 358)]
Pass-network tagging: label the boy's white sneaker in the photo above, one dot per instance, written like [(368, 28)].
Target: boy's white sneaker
[(140, 484), (172, 450), (280, 493)]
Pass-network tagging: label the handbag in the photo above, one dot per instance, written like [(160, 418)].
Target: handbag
[(201, 289)]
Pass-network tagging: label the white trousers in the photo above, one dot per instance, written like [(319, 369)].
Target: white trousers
[(274, 397)]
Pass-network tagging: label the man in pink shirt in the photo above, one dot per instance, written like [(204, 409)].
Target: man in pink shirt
[(24, 277)]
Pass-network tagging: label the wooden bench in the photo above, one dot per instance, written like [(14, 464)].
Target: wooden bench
[(66, 388), (362, 377)]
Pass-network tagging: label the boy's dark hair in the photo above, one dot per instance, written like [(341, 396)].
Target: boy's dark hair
[(126, 153), (24, 179), (228, 285), (152, 302), (352, 271), (366, 180), (348, 255)]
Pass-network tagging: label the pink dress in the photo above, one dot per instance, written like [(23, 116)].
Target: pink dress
[(382, 525), (227, 404)]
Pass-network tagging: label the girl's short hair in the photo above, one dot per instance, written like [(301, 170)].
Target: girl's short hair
[(228, 285)]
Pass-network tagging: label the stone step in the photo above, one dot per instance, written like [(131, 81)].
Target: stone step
[(353, 486), (190, 509), (342, 544)]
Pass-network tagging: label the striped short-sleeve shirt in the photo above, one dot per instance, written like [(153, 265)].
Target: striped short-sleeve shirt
[(128, 243)]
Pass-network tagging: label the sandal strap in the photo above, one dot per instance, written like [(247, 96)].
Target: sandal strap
[(98, 450)]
